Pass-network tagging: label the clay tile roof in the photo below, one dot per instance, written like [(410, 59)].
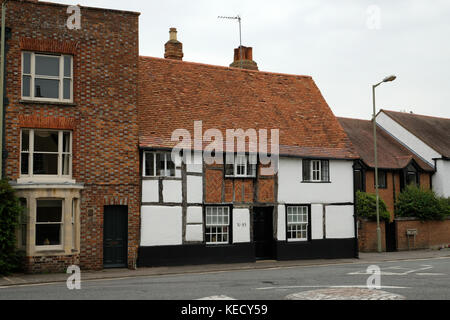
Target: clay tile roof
[(435, 132), (391, 154), (173, 94)]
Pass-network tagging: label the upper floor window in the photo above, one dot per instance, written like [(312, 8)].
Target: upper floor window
[(316, 171), (46, 153), (382, 179), (243, 166), (47, 77), (158, 164)]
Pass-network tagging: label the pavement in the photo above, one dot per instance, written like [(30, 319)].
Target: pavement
[(369, 258)]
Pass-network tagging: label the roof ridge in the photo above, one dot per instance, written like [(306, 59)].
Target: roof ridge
[(224, 67), (414, 114)]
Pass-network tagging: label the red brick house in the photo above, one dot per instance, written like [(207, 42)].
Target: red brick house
[(195, 212), (397, 165), (71, 146)]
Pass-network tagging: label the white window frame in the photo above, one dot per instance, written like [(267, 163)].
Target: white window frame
[(219, 226), (48, 177), (61, 77), (301, 224), (242, 161), (167, 157), (61, 231)]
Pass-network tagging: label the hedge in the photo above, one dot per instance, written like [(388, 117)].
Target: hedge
[(366, 207), (420, 203)]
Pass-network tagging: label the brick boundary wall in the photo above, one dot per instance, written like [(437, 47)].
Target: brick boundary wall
[(52, 264), (430, 234), (367, 235)]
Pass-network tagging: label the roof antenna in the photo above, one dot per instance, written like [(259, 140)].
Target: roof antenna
[(238, 18)]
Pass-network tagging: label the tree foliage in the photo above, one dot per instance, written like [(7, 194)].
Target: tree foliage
[(10, 210)]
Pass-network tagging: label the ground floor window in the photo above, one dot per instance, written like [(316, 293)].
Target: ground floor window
[(217, 225), (297, 223), (49, 221)]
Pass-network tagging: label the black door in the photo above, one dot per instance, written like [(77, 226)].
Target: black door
[(391, 243), (263, 232), (115, 236)]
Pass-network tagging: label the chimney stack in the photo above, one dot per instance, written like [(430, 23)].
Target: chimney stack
[(243, 58), (173, 47)]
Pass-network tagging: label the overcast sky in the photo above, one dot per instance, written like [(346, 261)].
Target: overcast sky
[(346, 46)]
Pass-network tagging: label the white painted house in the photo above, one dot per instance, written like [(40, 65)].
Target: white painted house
[(235, 211), (427, 137)]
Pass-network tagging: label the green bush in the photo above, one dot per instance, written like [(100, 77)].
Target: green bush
[(445, 205), (10, 209), (420, 203), (366, 207)]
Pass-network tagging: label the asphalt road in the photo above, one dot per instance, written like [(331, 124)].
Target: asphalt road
[(413, 279)]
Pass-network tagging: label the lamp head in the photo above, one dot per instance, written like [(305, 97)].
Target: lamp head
[(390, 78)]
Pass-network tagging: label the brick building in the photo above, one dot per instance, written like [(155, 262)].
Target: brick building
[(230, 209), (71, 134), (397, 165)]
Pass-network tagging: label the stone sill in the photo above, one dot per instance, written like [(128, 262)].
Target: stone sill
[(56, 103)]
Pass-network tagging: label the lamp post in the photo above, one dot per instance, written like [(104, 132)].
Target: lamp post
[(387, 79)]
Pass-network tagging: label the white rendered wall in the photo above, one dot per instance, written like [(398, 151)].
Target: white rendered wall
[(194, 215), (316, 221), (241, 225), (172, 191), (194, 188), (161, 226), (441, 179), (291, 190), (194, 232), (150, 191), (340, 223), (407, 138), (281, 223)]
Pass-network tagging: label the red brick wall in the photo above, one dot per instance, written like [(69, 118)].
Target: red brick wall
[(104, 114), (429, 233), (367, 236)]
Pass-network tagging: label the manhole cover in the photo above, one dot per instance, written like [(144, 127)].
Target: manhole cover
[(345, 294)]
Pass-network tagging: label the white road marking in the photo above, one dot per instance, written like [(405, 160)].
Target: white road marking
[(220, 297), (385, 273), (430, 274), (343, 286)]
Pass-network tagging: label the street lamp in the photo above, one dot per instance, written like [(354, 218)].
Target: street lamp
[(387, 79)]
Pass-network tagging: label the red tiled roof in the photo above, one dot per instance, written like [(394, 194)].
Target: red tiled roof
[(174, 94), (435, 132), (391, 154)]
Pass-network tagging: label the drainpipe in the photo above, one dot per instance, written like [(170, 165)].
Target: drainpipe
[(2, 83)]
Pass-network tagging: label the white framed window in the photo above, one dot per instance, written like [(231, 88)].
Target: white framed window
[(49, 224), (46, 153), (297, 223), (316, 170), (47, 77), (158, 164), (244, 166), (217, 227)]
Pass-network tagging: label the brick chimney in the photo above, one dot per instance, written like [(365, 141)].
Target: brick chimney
[(173, 47), (243, 58)]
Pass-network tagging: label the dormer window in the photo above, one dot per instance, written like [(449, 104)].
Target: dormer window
[(47, 77)]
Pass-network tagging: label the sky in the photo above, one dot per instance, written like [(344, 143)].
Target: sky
[(346, 46)]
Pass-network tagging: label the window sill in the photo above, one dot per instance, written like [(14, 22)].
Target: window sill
[(240, 177), (316, 182), (30, 101)]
